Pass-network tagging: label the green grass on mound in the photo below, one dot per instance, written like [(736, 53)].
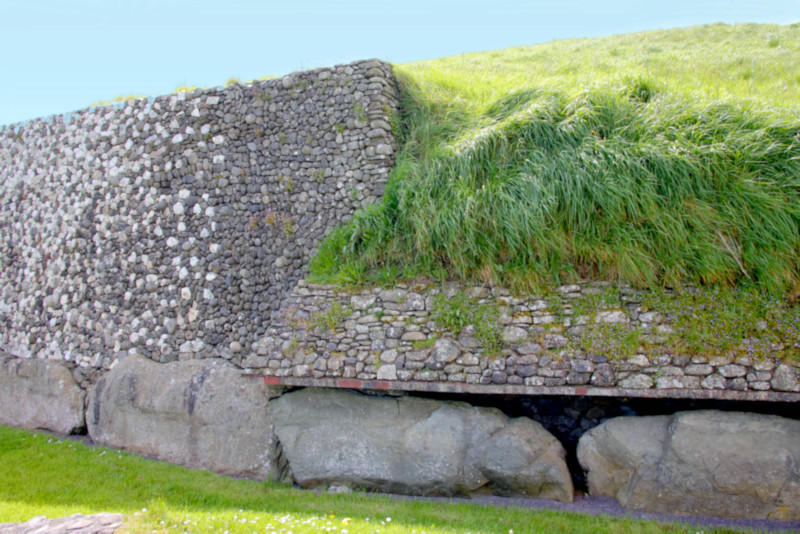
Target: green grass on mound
[(44, 475), (659, 158)]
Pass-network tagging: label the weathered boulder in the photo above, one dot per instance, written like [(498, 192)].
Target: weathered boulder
[(198, 413), (40, 394), (416, 446), (715, 463)]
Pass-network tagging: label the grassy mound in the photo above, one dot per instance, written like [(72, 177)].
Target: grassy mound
[(659, 158)]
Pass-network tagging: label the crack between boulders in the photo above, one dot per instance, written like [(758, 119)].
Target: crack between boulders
[(282, 470), (195, 385), (628, 490)]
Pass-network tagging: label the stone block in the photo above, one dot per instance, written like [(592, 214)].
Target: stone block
[(708, 462), (40, 394), (199, 413), (416, 446)]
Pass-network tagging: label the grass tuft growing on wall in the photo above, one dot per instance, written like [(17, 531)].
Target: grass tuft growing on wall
[(120, 98), (661, 158)]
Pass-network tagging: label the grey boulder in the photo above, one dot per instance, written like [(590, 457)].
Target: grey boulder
[(40, 394), (726, 464), (198, 413), (416, 446)]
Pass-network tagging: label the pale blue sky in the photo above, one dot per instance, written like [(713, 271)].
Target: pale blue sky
[(62, 55)]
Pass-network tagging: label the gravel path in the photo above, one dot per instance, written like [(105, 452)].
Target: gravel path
[(609, 506)]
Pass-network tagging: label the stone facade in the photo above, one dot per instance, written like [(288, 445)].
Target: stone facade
[(180, 228), (389, 335), (173, 227)]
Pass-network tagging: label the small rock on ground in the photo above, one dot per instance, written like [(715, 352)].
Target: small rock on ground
[(74, 524)]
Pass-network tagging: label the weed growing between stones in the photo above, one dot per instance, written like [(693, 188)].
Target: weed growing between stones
[(331, 318), (457, 312), (424, 343), (120, 98), (292, 347), (589, 304), (615, 341), (743, 322), (452, 313), (279, 223), (556, 304), (185, 89), (293, 318), (394, 121), (359, 112), (716, 320)]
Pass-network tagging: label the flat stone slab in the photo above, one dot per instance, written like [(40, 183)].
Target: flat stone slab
[(74, 524), (508, 389), (40, 394)]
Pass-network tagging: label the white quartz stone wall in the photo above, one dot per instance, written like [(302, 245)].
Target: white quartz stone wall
[(172, 227)]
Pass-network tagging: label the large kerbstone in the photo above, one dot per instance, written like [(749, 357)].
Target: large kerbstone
[(40, 394), (416, 446), (198, 413), (702, 463)]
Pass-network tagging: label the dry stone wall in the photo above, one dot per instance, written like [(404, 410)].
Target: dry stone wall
[(173, 227), (542, 342)]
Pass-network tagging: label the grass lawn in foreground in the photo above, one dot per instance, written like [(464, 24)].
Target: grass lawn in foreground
[(45, 475)]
